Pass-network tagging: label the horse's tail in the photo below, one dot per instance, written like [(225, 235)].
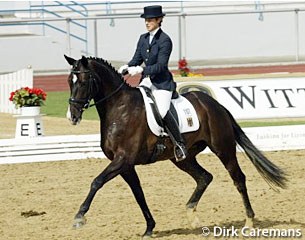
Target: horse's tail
[(272, 174)]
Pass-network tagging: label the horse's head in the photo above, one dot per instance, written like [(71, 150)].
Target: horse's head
[(91, 78), (80, 82)]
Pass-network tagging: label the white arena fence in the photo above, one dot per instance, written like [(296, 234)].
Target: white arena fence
[(73, 147), (52, 148), (11, 82)]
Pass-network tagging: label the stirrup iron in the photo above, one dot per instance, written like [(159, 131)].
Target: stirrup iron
[(180, 152)]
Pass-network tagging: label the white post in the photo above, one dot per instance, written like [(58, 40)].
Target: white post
[(95, 39), (297, 44), (68, 20), (180, 38), (183, 37)]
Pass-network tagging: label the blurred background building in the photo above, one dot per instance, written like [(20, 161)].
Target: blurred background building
[(206, 33)]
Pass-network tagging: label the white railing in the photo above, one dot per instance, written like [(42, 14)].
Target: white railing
[(52, 148), (73, 147), (11, 82)]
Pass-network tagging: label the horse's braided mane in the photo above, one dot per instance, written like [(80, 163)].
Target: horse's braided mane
[(109, 66)]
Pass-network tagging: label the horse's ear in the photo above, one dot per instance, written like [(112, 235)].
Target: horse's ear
[(84, 61), (71, 61)]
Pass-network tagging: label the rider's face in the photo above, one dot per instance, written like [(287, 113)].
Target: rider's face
[(152, 23)]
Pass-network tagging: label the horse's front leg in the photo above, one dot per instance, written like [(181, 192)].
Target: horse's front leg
[(131, 177), (111, 171)]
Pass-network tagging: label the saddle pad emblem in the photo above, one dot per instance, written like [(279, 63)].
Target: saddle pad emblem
[(188, 119)]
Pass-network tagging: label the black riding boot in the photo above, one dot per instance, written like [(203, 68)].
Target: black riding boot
[(172, 125)]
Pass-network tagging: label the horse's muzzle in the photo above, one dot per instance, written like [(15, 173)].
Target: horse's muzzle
[(73, 118), (75, 121)]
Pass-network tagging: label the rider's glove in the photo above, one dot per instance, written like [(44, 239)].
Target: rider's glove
[(122, 68), (135, 70)]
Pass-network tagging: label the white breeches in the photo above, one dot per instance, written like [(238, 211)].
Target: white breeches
[(162, 97), (163, 100)]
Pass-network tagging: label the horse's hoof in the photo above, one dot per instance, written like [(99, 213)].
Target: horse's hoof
[(79, 222), (249, 222), (193, 218), (146, 237)]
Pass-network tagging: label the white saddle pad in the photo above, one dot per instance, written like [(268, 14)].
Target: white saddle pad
[(187, 116)]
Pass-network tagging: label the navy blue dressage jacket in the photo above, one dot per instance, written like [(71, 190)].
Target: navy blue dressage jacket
[(155, 56)]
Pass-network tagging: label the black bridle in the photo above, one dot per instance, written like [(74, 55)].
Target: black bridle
[(86, 101)]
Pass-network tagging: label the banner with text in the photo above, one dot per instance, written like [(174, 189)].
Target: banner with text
[(255, 98)]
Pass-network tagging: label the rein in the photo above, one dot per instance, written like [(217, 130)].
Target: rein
[(86, 101), (109, 96)]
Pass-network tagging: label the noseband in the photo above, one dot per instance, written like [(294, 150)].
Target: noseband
[(86, 101)]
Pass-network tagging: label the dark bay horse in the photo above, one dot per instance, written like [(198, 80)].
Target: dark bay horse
[(127, 141)]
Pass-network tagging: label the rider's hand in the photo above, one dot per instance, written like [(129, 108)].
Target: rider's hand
[(135, 70), (122, 68)]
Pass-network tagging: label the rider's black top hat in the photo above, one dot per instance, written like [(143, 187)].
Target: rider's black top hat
[(152, 12)]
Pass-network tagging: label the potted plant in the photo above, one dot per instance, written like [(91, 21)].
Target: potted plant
[(28, 99), (183, 68)]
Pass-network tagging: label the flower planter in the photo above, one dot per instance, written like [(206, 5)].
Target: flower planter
[(29, 122), (30, 111)]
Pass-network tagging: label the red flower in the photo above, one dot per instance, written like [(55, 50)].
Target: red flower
[(28, 97), (182, 65), (11, 96)]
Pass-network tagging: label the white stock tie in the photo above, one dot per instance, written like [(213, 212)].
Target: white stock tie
[(150, 38)]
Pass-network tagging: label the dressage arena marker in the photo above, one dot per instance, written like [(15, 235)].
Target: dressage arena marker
[(74, 147), (29, 126)]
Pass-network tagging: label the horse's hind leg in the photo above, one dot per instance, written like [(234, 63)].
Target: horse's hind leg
[(202, 178), (229, 160)]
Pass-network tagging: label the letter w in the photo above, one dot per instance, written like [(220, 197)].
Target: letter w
[(243, 96)]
